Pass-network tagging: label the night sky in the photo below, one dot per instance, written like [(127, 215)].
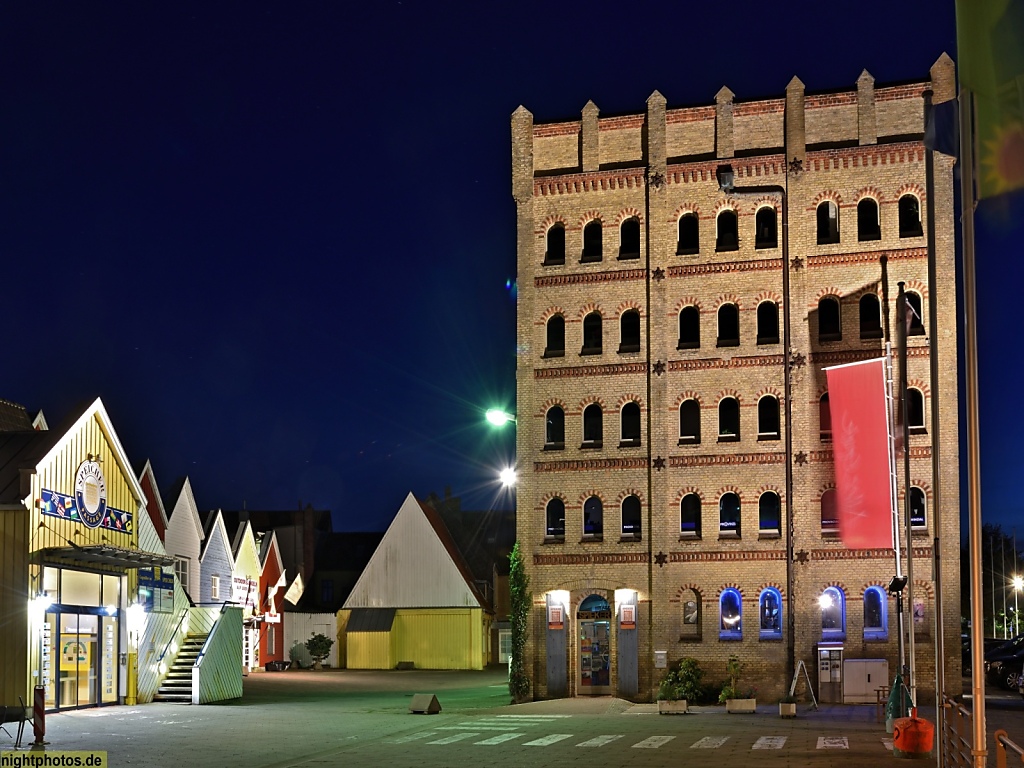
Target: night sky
[(278, 239)]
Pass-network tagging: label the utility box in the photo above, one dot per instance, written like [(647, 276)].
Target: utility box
[(862, 678), (830, 673)]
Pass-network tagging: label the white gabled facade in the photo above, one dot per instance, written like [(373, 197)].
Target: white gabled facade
[(184, 536)]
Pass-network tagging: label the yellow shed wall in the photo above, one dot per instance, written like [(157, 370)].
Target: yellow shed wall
[(370, 650), (440, 638)]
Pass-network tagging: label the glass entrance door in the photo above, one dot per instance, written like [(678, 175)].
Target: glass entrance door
[(594, 621), (78, 660)]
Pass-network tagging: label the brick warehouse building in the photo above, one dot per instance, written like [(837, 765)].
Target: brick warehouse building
[(656, 474)]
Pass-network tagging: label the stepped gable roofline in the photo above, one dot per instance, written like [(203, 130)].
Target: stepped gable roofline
[(437, 523), (14, 417)]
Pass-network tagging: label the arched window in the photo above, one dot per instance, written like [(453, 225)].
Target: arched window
[(829, 513), (833, 613), (689, 423), (730, 611), (870, 317), (728, 420), (593, 517), (689, 328), (915, 411), (765, 235), (591, 334), (629, 419), (728, 231), (769, 513), (916, 319), (555, 253), (910, 216), (689, 235), (555, 337), (769, 611), (555, 516), (829, 326), (631, 518), (828, 223), (592, 246), (593, 427), (767, 323), (729, 515), (825, 419), (768, 418), (689, 516), (691, 615), (728, 325), (554, 429), (868, 222), (876, 614), (629, 331), (629, 237), (918, 517)]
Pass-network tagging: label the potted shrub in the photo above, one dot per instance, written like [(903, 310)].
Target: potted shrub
[(319, 647), (681, 684), (787, 706), (734, 699)]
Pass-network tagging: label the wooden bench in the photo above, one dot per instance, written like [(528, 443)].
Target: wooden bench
[(15, 715), (881, 701)]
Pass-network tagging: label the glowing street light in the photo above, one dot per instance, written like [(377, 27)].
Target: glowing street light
[(1018, 585), (508, 477), (498, 417)]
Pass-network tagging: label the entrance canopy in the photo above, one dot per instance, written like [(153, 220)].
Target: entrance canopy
[(101, 557)]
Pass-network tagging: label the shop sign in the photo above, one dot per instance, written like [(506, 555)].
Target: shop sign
[(58, 505), (556, 617), (272, 618), (627, 620), (91, 493), (244, 591), (156, 589), (594, 615)]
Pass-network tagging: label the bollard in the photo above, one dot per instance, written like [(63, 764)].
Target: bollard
[(39, 715), (913, 737)]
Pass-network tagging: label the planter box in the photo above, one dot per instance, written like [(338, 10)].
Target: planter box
[(787, 709), (734, 706), (666, 707)]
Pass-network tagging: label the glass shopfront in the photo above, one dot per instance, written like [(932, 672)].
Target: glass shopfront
[(594, 620)]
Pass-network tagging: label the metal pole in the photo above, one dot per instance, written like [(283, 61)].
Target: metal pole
[(980, 748), (900, 618), (901, 314), (1002, 578), (992, 573)]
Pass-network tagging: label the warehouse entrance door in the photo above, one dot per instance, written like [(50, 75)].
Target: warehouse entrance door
[(595, 620)]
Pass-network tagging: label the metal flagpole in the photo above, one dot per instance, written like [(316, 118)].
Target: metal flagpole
[(901, 313), (980, 749)]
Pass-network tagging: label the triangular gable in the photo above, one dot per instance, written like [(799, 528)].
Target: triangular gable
[(184, 496), (247, 556), (215, 532), (154, 504), (416, 565), (270, 552)]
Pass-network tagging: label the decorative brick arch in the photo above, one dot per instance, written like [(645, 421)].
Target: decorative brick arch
[(918, 287), (689, 394), (629, 212), (729, 204), (917, 483), (727, 298), (764, 296), (920, 385), (838, 585), (769, 390), (772, 585), (590, 216), (869, 191), (876, 292), (729, 393), (549, 496), (911, 189), (828, 194), (732, 585), (630, 492), (770, 488), (550, 403), (683, 210), (729, 489), (766, 201), (549, 313), (829, 486), (827, 291), (686, 491), (588, 494), (589, 400), (589, 307), (628, 305), (630, 398), (683, 589), (924, 586), (686, 301), (880, 585), (550, 221)]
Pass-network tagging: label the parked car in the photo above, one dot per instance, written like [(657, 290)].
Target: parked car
[(1005, 662)]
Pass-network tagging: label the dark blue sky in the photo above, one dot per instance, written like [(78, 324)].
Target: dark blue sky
[(275, 238)]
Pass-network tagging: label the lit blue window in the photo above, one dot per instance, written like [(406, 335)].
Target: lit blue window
[(769, 611), (730, 609), (876, 614), (833, 613)]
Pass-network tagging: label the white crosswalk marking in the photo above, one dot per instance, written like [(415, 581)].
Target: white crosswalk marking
[(499, 739), (770, 742), (887, 743), (412, 737), (833, 742), (710, 742), (599, 741), (479, 727), (455, 737), (545, 741), (653, 742), (535, 717)]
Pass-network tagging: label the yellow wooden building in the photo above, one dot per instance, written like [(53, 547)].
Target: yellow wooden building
[(69, 502), (415, 602)]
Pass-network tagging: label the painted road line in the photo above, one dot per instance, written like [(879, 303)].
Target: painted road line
[(455, 737), (545, 741), (887, 743), (653, 742), (770, 742), (478, 727), (833, 742), (710, 742), (499, 739), (599, 741), (534, 717), (411, 737)]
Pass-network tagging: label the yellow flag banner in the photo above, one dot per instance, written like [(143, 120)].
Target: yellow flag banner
[(990, 39)]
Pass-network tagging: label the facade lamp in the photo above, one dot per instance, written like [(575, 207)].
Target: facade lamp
[(508, 476), (498, 417)]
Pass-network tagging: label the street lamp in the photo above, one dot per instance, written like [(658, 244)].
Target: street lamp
[(498, 417), (1018, 585), (508, 477)]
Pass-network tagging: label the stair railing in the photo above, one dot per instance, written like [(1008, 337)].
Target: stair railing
[(174, 635)]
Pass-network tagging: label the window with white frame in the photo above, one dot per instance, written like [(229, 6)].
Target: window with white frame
[(181, 571), (215, 587)]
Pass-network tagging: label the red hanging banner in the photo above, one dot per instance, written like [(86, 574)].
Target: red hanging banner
[(861, 448)]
